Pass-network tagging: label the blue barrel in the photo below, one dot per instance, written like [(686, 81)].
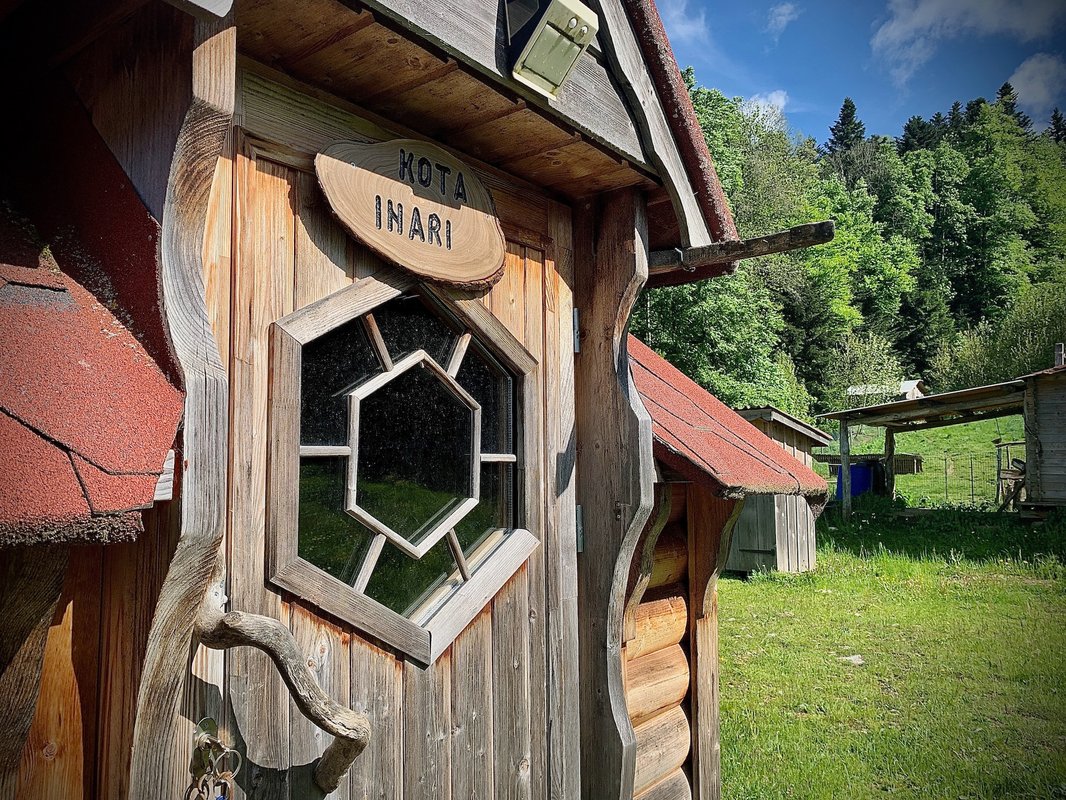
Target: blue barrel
[(862, 479)]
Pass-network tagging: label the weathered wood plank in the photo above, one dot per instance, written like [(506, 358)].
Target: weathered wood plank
[(469, 32), (535, 493), (710, 529), (510, 689), (263, 287), (377, 691), (427, 708), (616, 474), (674, 786), (472, 713), (560, 533)]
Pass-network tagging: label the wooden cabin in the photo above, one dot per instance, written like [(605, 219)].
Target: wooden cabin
[(777, 531), (710, 463), (369, 265), (1045, 438)]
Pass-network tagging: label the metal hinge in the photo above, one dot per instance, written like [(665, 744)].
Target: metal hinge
[(579, 529), (577, 331)]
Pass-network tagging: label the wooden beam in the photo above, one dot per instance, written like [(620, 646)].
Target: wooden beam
[(615, 477), (958, 420), (1001, 406), (692, 258), (624, 54)]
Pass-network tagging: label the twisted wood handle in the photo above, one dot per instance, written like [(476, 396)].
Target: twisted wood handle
[(351, 730)]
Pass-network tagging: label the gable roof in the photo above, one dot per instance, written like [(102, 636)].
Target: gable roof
[(84, 411), (818, 438), (703, 439)]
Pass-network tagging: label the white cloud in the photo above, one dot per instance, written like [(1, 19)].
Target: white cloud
[(1040, 82), (770, 105), (914, 28), (683, 25), (780, 17)]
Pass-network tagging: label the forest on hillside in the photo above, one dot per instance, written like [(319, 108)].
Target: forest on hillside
[(949, 261)]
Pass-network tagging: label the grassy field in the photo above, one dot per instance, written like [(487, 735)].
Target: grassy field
[(959, 622)]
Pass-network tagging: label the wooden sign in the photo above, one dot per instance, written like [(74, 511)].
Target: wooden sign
[(417, 206)]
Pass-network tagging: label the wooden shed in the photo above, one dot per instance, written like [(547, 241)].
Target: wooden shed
[(777, 531), (710, 463), (369, 266), (1045, 438)]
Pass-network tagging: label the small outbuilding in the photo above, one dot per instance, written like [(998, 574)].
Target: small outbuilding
[(1045, 437), (710, 464), (776, 531)]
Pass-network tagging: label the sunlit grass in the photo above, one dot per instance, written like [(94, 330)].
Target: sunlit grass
[(960, 622)]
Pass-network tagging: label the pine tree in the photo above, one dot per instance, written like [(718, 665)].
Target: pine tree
[(1007, 99), (917, 135), (847, 131), (956, 121), (1057, 131)]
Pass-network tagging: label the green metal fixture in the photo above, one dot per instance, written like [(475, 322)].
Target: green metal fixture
[(561, 35)]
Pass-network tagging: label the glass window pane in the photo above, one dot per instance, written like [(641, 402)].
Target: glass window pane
[(402, 584), (494, 509), (328, 537), (487, 383), (407, 324), (414, 453), (332, 364)]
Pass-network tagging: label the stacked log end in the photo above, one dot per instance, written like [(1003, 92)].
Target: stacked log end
[(657, 676)]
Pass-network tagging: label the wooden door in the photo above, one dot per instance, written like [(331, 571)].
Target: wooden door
[(489, 715)]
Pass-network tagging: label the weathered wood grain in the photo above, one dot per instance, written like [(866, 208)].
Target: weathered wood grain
[(560, 530), (160, 756), (377, 691), (30, 583), (656, 682), (615, 477), (670, 559), (624, 54), (446, 228), (427, 730), (472, 737), (663, 744), (710, 529), (674, 786), (510, 689), (263, 291), (659, 623)]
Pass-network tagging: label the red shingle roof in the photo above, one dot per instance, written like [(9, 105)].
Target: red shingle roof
[(699, 436), (86, 416)]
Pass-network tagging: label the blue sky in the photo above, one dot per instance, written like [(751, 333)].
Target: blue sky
[(895, 58)]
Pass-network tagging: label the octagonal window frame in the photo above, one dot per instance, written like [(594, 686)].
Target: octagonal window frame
[(432, 627), (442, 527)]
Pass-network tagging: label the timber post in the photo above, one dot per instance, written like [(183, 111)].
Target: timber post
[(845, 468), (890, 463), (616, 476)]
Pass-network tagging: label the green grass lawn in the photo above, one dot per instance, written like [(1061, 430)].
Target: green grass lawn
[(960, 620)]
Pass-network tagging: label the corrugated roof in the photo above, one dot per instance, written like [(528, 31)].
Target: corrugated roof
[(86, 416), (699, 436)]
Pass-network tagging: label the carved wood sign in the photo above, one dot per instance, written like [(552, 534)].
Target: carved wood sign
[(417, 206)]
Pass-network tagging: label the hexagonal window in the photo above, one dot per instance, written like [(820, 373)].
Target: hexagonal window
[(393, 474)]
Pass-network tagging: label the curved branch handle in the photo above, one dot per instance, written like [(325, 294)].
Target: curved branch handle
[(351, 730)]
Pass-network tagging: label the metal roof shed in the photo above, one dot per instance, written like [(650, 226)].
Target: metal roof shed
[(777, 531)]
